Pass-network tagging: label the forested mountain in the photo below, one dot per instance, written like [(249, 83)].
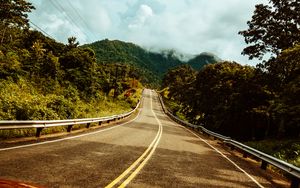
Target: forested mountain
[(151, 66), (41, 78), (203, 59), (247, 103)]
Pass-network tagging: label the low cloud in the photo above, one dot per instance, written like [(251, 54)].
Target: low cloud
[(190, 26), (142, 15)]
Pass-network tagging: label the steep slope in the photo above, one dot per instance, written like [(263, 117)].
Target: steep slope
[(151, 65), (203, 59)]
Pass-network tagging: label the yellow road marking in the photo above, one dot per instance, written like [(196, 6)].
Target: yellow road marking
[(137, 170)]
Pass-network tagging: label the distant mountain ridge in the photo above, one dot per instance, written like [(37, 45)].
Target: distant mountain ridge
[(152, 65), (203, 59)]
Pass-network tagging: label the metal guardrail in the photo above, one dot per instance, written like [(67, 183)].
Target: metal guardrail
[(41, 124), (266, 159)]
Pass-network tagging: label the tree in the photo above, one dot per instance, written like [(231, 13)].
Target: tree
[(80, 69), (229, 99), (285, 72), (13, 14), (178, 80), (284, 68), (72, 42), (273, 28)]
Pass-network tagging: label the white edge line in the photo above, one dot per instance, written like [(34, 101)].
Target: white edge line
[(68, 138), (256, 182)]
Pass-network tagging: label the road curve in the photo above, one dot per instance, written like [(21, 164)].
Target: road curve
[(149, 151)]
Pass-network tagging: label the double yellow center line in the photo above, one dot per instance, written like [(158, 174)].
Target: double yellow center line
[(136, 167)]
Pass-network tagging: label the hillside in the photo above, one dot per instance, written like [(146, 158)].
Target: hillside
[(151, 66), (203, 59)]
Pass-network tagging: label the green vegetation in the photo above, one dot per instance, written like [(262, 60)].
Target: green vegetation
[(286, 150), (43, 79), (274, 27), (244, 102), (149, 66), (199, 61), (239, 101)]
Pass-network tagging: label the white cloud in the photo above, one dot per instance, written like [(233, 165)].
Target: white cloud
[(144, 13), (190, 26)]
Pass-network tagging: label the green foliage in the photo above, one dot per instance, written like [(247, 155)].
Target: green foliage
[(286, 150), (149, 65), (41, 79), (285, 73), (203, 59), (177, 80), (225, 97), (274, 27), (13, 12), (241, 101), (20, 101), (229, 95)]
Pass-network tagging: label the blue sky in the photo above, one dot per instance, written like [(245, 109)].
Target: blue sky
[(189, 26)]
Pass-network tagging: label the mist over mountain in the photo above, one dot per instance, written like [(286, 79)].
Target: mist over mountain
[(203, 59), (151, 65)]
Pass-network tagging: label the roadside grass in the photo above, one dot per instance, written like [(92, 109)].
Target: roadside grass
[(21, 101), (174, 107), (287, 150), (100, 109)]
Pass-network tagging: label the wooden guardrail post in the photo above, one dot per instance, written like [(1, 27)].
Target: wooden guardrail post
[(88, 125), (266, 159), (38, 132), (264, 165), (232, 147), (69, 129), (295, 182)]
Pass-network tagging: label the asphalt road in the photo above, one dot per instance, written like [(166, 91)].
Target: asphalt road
[(148, 151)]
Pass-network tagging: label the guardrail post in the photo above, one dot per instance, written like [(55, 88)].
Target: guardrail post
[(245, 155), (100, 122), (88, 125), (264, 165), (38, 131), (69, 128), (295, 182)]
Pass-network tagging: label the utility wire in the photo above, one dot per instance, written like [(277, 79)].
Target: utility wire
[(82, 19), (61, 9), (37, 27)]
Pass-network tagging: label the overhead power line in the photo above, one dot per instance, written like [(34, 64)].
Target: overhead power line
[(60, 8), (82, 19), (40, 29)]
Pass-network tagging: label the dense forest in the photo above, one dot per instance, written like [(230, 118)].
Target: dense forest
[(242, 101), (41, 78), (150, 66), (249, 103)]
